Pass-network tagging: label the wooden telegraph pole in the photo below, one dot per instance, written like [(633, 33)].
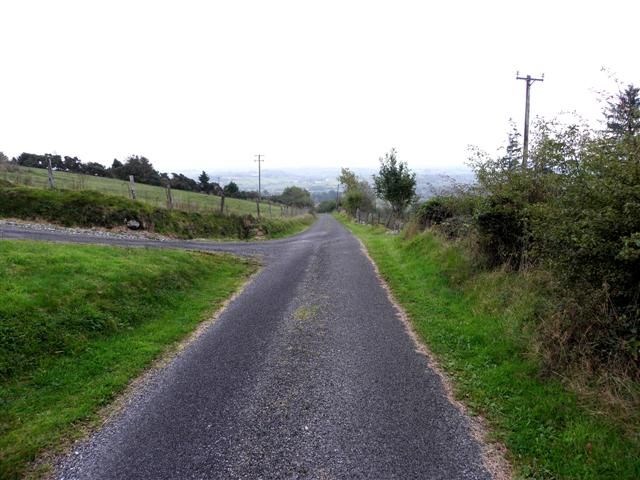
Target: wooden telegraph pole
[(259, 159), (525, 144)]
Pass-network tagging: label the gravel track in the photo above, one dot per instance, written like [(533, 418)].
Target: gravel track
[(307, 374)]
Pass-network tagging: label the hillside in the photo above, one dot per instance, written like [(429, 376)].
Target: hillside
[(153, 195)]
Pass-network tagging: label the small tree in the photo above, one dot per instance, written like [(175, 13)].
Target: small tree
[(296, 196), (395, 183), (204, 182), (623, 113), (231, 189)]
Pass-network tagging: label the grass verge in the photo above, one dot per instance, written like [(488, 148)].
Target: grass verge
[(478, 325), (94, 209), (77, 323)]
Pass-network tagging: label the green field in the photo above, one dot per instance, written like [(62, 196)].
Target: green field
[(479, 327), (77, 323), (156, 196)]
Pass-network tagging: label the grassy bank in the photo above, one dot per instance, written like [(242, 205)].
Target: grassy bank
[(148, 194), (479, 326), (89, 209), (77, 323)]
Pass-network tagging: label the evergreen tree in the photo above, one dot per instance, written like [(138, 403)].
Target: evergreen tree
[(204, 182), (623, 114)]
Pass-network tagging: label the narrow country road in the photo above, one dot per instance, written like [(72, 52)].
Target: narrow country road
[(308, 373)]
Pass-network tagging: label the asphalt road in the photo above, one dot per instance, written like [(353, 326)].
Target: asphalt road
[(307, 374)]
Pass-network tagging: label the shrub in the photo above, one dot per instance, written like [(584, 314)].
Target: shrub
[(433, 212)]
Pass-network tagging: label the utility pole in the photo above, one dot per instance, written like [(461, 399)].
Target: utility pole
[(525, 144), (259, 159)]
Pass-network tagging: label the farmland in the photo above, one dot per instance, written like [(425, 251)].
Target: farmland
[(150, 194)]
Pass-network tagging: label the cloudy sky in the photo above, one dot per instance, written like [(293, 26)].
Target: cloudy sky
[(208, 84)]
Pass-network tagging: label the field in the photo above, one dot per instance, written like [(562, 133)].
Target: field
[(77, 323), (479, 327), (156, 196)]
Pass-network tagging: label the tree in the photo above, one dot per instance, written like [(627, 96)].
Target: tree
[(297, 197), (513, 150), (348, 179), (623, 113), (395, 183), (72, 164), (93, 168), (182, 182), (204, 182), (231, 189), (3, 158), (358, 194), (140, 167)]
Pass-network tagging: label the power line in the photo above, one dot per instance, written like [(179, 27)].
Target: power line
[(525, 144)]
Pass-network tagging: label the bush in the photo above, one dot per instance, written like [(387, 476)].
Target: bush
[(433, 212), (502, 233)]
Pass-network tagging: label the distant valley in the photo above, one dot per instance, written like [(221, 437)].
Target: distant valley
[(323, 180)]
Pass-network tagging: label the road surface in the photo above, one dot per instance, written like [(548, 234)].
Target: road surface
[(308, 373)]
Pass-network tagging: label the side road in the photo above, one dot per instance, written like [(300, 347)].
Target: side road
[(307, 374)]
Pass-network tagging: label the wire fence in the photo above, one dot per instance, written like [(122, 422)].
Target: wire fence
[(153, 195)]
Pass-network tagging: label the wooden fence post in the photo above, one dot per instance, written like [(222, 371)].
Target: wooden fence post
[(52, 183), (169, 197), (132, 187), (222, 203)]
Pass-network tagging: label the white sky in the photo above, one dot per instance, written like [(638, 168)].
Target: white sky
[(206, 85)]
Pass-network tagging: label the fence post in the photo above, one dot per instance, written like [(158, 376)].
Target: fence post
[(169, 197), (270, 214), (132, 187), (358, 214), (222, 203), (52, 183)]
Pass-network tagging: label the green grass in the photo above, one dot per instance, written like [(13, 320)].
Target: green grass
[(479, 325), (90, 208), (149, 194), (77, 323)]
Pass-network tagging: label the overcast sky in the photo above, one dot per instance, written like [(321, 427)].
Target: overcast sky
[(206, 85)]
